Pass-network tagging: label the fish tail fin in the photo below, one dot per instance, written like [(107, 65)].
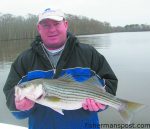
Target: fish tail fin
[(128, 110)]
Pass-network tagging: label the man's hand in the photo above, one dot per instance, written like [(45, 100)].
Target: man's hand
[(24, 104), (91, 105)]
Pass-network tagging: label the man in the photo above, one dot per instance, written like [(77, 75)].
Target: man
[(52, 54)]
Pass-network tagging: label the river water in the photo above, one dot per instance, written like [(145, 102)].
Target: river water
[(127, 53)]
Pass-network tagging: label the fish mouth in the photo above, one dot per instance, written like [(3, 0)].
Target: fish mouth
[(40, 97)]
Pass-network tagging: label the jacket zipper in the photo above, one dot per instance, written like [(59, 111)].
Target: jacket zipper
[(54, 68)]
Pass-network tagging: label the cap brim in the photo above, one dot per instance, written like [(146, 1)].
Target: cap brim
[(55, 18)]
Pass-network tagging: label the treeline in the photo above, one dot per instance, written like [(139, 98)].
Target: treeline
[(81, 25), (14, 27), (131, 28), (19, 27)]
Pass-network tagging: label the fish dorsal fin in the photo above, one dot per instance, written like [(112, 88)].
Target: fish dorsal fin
[(92, 81), (66, 78), (95, 81)]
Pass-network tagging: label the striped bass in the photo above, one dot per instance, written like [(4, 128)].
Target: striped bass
[(65, 93)]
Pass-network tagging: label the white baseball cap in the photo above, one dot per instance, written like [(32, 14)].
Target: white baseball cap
[(48, 13)]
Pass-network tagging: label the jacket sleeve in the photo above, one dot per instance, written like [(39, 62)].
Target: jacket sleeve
[(15, 74), (103, 69)]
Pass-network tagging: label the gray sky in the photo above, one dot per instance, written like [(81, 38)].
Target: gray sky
[(116, 12)]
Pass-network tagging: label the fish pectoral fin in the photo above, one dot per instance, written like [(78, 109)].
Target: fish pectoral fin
[(58, 110), (52, 98)]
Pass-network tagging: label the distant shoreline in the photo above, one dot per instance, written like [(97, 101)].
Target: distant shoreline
[(81, 35)]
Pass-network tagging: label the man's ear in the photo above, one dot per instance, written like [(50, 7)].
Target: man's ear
[(66, 24), (38, 28)]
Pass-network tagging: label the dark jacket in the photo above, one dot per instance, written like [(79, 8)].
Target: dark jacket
[(79, 60)]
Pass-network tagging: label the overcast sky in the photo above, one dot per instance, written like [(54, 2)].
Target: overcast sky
[(116, 12)]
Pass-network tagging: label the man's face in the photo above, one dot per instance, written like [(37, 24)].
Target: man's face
[(53, 33)]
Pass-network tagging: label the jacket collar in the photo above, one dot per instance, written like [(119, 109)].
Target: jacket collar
[(71, 42)]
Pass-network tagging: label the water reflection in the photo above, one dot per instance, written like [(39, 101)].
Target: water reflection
[(10, 49), (99, 41)]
